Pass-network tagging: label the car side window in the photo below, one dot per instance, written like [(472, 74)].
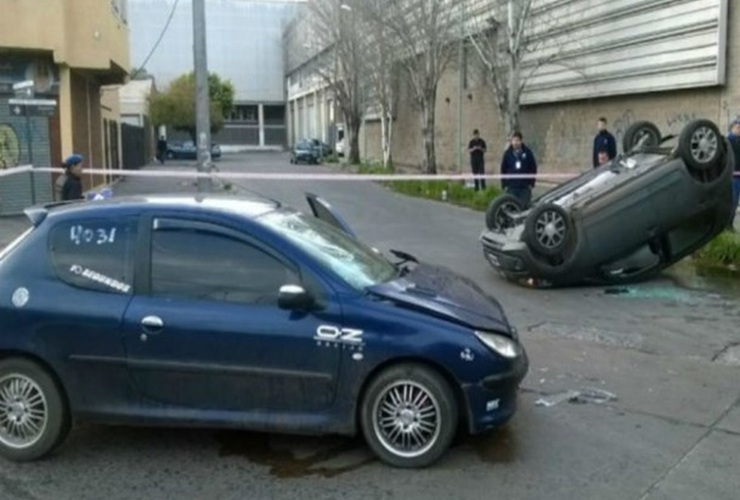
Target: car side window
[(204, 264), (95, 254)]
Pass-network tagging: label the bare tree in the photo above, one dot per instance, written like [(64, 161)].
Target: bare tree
[(510, 50), (424, 34), (336, 26), (379, 51)]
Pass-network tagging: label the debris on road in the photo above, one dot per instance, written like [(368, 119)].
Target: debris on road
[(585, 395)]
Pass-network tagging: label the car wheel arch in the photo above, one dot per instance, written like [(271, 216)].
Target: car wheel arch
[(460, 400), (17, 354)]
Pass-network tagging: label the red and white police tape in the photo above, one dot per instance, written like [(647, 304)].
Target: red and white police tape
[(288, 176)]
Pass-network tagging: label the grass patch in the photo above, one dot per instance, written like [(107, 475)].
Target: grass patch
[(454, 192), (723, 251), (331, 158)]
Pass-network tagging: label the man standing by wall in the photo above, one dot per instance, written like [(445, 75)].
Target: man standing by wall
[(734, 138), (519, 160), (604, 141), (477, 150)]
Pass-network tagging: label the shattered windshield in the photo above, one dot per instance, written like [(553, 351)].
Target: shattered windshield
[(354, 262)]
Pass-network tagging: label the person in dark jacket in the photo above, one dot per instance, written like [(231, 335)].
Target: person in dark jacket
[(72, 187), (477, 149), (59, 183), (518, 159), (734, 138), (604, 141), (161, 149)]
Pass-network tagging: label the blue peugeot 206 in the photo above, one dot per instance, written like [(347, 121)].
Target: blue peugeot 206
[(240, 312)]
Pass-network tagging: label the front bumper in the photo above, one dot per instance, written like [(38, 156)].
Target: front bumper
[(492, 401), (514, 262)]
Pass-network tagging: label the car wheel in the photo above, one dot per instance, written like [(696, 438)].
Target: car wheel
[(170, 155), (500, 211), (548, 229), (640, 131), (33, 417), (409, 416), (701, 146)]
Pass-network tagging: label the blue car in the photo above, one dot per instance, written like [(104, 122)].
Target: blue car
[(239, 312)]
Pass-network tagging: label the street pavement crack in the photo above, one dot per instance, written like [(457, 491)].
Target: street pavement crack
[(680, 461)]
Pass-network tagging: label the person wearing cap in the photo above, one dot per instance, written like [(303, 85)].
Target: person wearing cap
[(72, 184), (59, 183), (734, 138)]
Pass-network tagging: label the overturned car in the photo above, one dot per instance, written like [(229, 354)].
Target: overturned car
[(656, 203)]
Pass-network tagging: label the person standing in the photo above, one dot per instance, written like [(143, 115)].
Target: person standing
[(72, 187), (734, 138), (477, 149), (604, 141), (161, 149), (518, 159), (59, 183)]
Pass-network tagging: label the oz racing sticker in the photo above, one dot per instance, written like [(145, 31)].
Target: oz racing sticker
[(332, 336)]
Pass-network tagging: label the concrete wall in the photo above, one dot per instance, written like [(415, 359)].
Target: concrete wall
[(88, 34)]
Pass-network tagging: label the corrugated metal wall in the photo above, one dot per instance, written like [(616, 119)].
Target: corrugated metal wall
[(595, 48)]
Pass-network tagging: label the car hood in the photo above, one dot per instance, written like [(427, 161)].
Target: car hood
[(443, 293)]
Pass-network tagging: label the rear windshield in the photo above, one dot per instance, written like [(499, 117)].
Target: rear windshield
[(14, 244)]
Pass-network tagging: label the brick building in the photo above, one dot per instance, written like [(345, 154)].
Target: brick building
[(70, 49)]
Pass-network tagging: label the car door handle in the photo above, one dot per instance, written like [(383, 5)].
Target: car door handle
[(152, 324)]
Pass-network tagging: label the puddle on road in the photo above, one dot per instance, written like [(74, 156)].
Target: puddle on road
[(296, 457), (499, 446)]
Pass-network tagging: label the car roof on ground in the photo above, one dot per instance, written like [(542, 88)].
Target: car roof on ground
[(247, 206)]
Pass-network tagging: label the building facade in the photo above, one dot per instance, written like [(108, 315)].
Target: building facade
[(244, 45), (667, 61), (70, 49)]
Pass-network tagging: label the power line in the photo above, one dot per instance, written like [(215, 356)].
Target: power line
[(159, 40)]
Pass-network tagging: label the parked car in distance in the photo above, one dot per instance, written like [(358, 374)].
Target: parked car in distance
[(241, 312), (305, 152), (187, 151), (323, 147), (655, 204)]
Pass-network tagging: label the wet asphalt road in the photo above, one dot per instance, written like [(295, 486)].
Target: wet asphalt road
[(668, 353)]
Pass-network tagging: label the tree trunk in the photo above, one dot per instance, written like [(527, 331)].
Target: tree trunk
[(388, 148), (429, 165), (353, 132), (512, 111)]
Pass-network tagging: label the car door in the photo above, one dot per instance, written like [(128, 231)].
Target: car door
[(80, 312), (207, 332)]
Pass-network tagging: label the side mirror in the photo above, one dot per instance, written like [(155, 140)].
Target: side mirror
[(294, 297)]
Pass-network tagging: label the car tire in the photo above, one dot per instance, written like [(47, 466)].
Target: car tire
[(548, 229), (169, 155), (33, 398), (701, 146), (389, 407), (498, 210), (637, 131)]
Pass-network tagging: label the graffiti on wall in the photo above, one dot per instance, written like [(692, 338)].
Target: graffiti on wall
[(10, 151), (679, 120)]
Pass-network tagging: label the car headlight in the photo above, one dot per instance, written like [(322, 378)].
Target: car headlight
[(499, 344)]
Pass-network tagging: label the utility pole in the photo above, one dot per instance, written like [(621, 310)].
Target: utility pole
[(202, 101)]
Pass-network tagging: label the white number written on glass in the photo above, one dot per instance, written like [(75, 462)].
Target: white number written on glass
[(87, 235)]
